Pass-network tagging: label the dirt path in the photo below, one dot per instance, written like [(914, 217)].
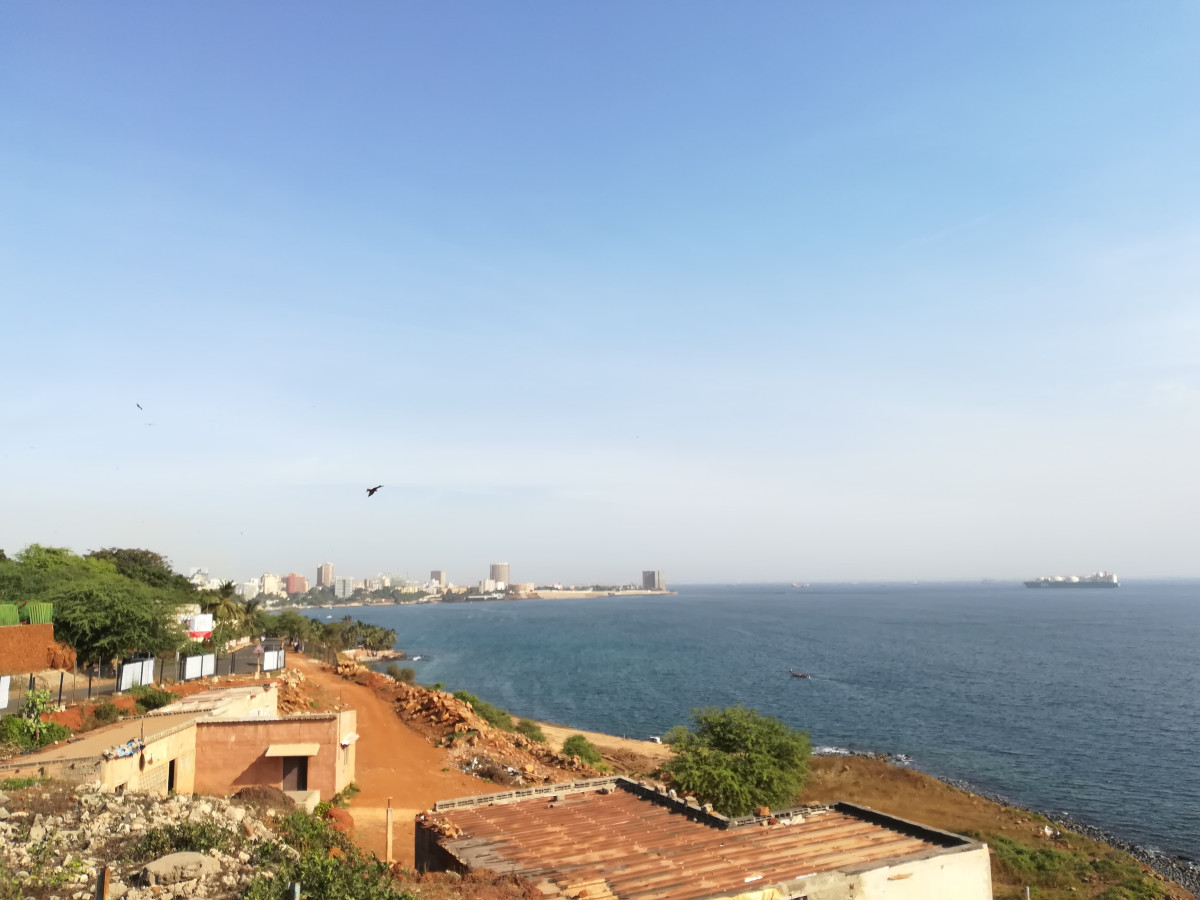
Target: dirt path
[(391, 761)]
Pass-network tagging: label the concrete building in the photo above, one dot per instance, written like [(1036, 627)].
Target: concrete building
[(499, 574), (237, 732), (438, 577), (296, 584), (272, 585), (325, 575), (652, 581), (615, 839), (373, 584), (343, 587), (250, 589)]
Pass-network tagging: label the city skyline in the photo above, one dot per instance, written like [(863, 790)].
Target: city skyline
[(801, 292)]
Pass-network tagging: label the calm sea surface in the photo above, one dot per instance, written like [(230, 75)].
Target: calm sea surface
[(1078, 701)]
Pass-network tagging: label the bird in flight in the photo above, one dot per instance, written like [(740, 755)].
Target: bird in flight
[(371, 491), (139, 406)]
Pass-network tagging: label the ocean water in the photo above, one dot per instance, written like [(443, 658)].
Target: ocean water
[(1084, 702)]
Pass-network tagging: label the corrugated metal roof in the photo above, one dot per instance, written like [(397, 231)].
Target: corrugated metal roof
[(619, 842)]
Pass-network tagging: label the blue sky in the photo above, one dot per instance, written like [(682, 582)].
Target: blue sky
[(767, 291)]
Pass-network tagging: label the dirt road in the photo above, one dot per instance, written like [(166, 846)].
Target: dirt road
[(391, 761)]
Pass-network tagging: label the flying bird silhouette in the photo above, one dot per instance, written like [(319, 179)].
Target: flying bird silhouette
[(371, 491), (139, 406)]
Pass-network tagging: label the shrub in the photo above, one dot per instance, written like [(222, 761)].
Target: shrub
[(106, 712), (738, 759), (328, 864), (197, 837), (531, 730), (17, 784), (493, 715), (27, 730), (147, 697), (397, 673), (578, 745)]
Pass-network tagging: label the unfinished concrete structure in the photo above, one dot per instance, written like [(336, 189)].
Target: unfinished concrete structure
[(614, 839), (238, 735)]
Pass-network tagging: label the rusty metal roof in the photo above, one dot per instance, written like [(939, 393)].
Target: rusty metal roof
[(624, 841)]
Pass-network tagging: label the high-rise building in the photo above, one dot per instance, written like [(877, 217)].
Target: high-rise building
[(249, 589), (343, 587), (325, 575), (499, 573), (438, 577), (272, 585), (652, 581), (296, 584)]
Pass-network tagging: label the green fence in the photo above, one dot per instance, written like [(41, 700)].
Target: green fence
[(39, 613), (33, 613)]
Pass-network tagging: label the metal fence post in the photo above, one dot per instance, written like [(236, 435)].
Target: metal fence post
[(61, 676)]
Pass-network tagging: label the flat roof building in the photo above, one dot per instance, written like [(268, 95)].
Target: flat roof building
[(217, 742), (614, 839)]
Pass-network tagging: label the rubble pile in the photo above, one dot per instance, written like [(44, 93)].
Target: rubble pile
[(55, 839), (292, 697)]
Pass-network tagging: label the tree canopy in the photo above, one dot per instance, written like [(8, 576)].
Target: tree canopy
[(99, 610), (738, 759)]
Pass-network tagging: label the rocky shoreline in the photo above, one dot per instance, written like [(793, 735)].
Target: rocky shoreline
[(1181, 870)]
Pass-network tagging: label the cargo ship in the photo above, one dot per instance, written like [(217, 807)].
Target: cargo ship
[(1095, 580)]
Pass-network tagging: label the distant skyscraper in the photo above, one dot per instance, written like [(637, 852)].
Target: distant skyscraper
[(438, 577), (272, 585), (343, 587), (296, 584), (325, 575), (652, 581), (499, 573)]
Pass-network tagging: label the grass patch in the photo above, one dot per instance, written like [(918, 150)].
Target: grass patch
[(1053, 870), (493, 715), (18, 784)]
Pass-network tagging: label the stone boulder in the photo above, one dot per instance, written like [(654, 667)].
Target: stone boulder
[(176, 867)]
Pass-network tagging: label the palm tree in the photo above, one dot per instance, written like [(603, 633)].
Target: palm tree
[(224, 606)]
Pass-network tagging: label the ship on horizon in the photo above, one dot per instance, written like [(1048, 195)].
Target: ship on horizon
[(1095, 580)]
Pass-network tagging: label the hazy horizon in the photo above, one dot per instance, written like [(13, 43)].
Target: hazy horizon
[(787, 292)]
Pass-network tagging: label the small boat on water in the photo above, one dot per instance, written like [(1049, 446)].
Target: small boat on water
[(796, 674)]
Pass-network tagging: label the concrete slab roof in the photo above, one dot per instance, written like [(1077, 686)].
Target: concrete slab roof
[(96, 742), (626, 841)]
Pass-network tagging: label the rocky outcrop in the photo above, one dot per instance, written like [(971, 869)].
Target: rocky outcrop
[(500, 756)]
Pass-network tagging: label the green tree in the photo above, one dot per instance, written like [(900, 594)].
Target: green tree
[(738, 759), (99, 611), (145, 566)]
